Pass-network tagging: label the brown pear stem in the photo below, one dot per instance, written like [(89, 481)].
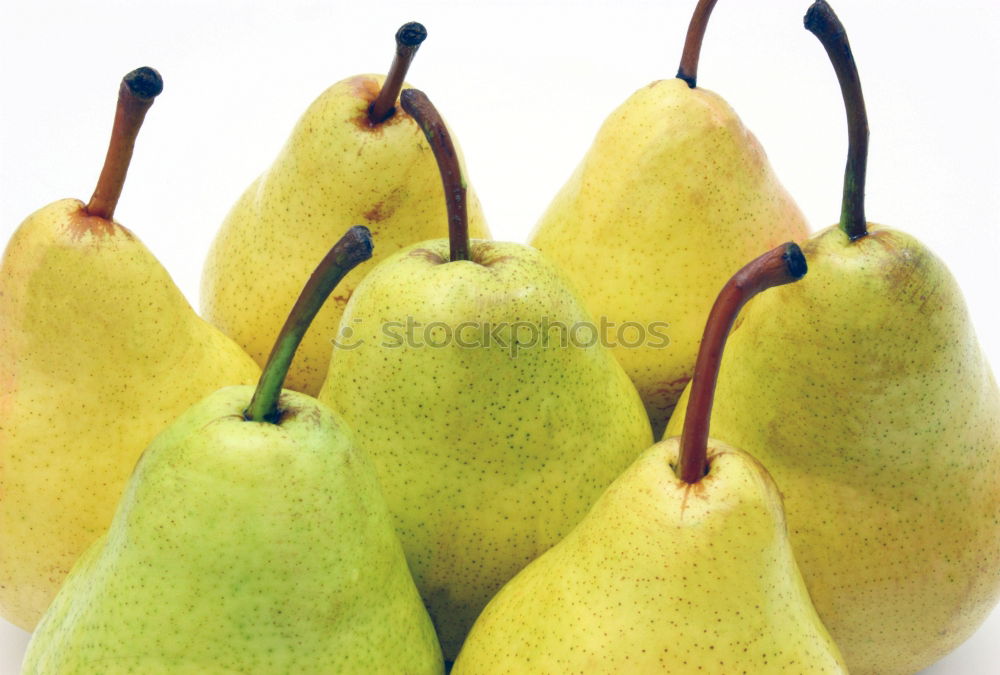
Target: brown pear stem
[(688, 70), (135, 95), (822, 22), (416, 103), (408, 40), (778, 266), (353, 249)]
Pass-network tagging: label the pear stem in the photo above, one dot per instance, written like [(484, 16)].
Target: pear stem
[(408, 40), (777, 267), (353, 249), (822, 22), (688, 70), (135, 96), (416, 103)]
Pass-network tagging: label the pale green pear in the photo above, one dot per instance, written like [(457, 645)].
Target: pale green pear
[(672, 197), (493, 418), (243, 547), (866, 394), (339, 167), (682, 566), (252, 538), (99, 351)]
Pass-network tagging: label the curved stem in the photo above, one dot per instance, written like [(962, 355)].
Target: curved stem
[(135, 95), (408, 40), (416, 103), (778, 266), (353, 248), (688, 70), (821, 21)]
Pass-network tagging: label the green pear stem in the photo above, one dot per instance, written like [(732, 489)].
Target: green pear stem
[(822, 22), (779, 266), (353, 249), (135, 96), (408, 40), (416, 103), (688, 70)]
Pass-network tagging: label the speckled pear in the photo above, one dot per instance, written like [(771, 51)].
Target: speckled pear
[(342, 165), (492, 433), (99, 351), (683, 565), (252, 538), (866, 394), (674, 195)]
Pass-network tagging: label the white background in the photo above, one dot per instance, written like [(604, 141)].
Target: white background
[(525, 86)]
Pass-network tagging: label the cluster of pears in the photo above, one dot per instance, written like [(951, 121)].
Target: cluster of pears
[(478, 489)]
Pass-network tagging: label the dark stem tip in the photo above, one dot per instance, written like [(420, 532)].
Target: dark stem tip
[(795, 262), (144, 83), (821, 18), (359, 244), (411, 34)]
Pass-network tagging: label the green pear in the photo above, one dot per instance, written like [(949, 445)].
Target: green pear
[(99, 351), (683, 565), (252, 538), (352, 157), (673, 195), (492, 423), (866, 394)]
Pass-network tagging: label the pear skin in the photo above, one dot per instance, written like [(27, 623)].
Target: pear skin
[(243, 547), (865, 393), (337, 169), (100, 351), (674, 195), (493, 442), (665, 577)]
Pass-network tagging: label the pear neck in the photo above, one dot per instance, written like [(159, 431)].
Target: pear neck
[(418, 106), (822, 22), (779, 266)]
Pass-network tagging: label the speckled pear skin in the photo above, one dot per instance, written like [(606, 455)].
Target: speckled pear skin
[(486, 459), (865, 393), (99, 351), (662, 577), (335, 171), (243, 547), (673, 197)]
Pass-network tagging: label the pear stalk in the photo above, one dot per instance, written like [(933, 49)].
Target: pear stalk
[(353, 249), (408, 40), (416, 103), (779, 266), (822, 22), (135, 95), (688, 70)]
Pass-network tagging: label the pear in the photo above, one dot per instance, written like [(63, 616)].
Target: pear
[(492, 430), (683, 565), (673, 195), (99, 351), (252, 538), (352, 157), (866, 394)]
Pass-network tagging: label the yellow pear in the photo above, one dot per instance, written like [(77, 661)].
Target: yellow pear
[(866, 394), (672, 197), (353, 157), (492, 430), (99, 351), (683, 565)]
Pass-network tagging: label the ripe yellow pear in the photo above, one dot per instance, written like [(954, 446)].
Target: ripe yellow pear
[(252, 538), (682, 566), (866, 394), (99, 351), (353, 157), (492, 436), (672, 197)]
